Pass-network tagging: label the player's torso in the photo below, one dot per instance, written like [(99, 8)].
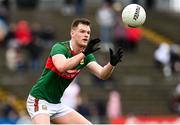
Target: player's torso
[(52, 83)]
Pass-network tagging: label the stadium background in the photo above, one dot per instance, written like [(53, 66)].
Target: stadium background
[(144, 90)]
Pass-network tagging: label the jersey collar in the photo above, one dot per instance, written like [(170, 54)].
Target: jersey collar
[(70, 46)]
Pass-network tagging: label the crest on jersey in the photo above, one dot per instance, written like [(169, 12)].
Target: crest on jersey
[(82, 62)]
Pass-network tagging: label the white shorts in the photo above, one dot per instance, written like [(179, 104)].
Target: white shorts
[(38, 106)]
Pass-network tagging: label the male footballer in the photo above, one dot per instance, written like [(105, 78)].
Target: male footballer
[(64, 63)]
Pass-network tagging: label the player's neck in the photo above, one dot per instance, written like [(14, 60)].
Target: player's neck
[(75, 47)]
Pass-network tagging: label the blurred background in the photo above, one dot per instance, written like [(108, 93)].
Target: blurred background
[(144, 87)]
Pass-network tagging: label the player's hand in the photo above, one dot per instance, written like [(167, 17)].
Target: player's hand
[(90, 48), (115, 58)]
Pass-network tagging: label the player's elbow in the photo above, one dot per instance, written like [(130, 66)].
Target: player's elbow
[(104, 77)]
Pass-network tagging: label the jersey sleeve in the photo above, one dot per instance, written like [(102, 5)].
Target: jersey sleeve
[(58, 49), (90, 58)]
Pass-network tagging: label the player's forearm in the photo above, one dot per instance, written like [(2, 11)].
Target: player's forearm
[(70, 63), (106, 71)]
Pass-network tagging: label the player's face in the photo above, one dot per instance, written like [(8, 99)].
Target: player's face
[(81, 34)]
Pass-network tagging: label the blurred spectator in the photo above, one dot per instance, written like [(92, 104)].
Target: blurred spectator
[(162, 58), (113, 105), (11, 55), (14, 57), (106, 21), (23, 33), (167, 57), (134, 36)]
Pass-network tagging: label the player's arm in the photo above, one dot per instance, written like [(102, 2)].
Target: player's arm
[(101, 72), (106, 71), (63, 64)]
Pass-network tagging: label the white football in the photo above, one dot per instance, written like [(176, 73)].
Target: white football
[(133, 15)]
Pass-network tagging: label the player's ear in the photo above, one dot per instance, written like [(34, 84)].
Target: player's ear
[(72, 32)]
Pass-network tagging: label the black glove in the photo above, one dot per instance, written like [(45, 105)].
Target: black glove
[(90, 48), (115, 58)]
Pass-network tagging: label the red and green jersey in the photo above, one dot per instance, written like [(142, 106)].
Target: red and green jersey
[(52, 84)]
